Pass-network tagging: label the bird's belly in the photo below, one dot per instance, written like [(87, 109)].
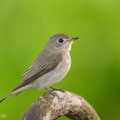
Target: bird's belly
[(53, 76)]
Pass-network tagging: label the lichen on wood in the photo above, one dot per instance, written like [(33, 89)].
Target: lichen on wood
[(57, 103)]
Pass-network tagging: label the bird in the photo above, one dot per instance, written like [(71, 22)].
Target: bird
[(50, 66)]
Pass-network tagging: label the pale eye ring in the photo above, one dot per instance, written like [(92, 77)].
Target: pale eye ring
[(60, 40)]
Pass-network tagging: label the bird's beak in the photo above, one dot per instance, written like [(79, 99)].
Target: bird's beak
[(72, 39)]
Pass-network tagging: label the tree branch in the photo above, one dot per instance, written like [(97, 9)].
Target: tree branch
[(58, 103)]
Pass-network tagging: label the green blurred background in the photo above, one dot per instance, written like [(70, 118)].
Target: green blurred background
[(26, 25)]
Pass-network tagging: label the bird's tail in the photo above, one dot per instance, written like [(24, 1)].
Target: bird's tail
[(11, 93), (16, 91), (5, 97)]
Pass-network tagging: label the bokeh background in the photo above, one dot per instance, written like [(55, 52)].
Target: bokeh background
[(26, 25)]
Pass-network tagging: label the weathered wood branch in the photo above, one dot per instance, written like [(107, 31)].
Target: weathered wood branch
[(58, 103)]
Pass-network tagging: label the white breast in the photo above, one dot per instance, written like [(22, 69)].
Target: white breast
[(55, 75)]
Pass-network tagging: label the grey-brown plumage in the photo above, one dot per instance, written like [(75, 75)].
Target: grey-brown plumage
[(51, 65)]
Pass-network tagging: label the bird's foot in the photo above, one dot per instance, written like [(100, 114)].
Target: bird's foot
[(50, 92), (53, 93), (56, 89)]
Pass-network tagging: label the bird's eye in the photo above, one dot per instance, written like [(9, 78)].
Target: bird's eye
[(60, 40)]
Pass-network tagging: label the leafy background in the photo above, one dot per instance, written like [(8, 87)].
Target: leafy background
[(25, 26)]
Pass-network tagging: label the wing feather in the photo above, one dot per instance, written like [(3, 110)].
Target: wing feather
[(41, 66)]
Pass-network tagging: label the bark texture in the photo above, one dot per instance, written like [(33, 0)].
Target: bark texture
[(58, 103)]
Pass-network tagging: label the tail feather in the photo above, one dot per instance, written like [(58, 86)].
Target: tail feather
[(16, 91), (17, 94), (6, 97), (11, 93), (2, 99)]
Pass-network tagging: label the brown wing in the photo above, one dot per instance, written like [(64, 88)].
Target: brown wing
[(39, 68)]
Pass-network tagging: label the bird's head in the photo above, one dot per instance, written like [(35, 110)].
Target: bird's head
[(60, 42)]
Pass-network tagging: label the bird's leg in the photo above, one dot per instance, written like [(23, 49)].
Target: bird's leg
[(47, 89), (56, 89), (53, 88), (51, 91)]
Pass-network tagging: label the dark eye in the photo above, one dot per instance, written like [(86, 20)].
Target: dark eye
[(60, 40)]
